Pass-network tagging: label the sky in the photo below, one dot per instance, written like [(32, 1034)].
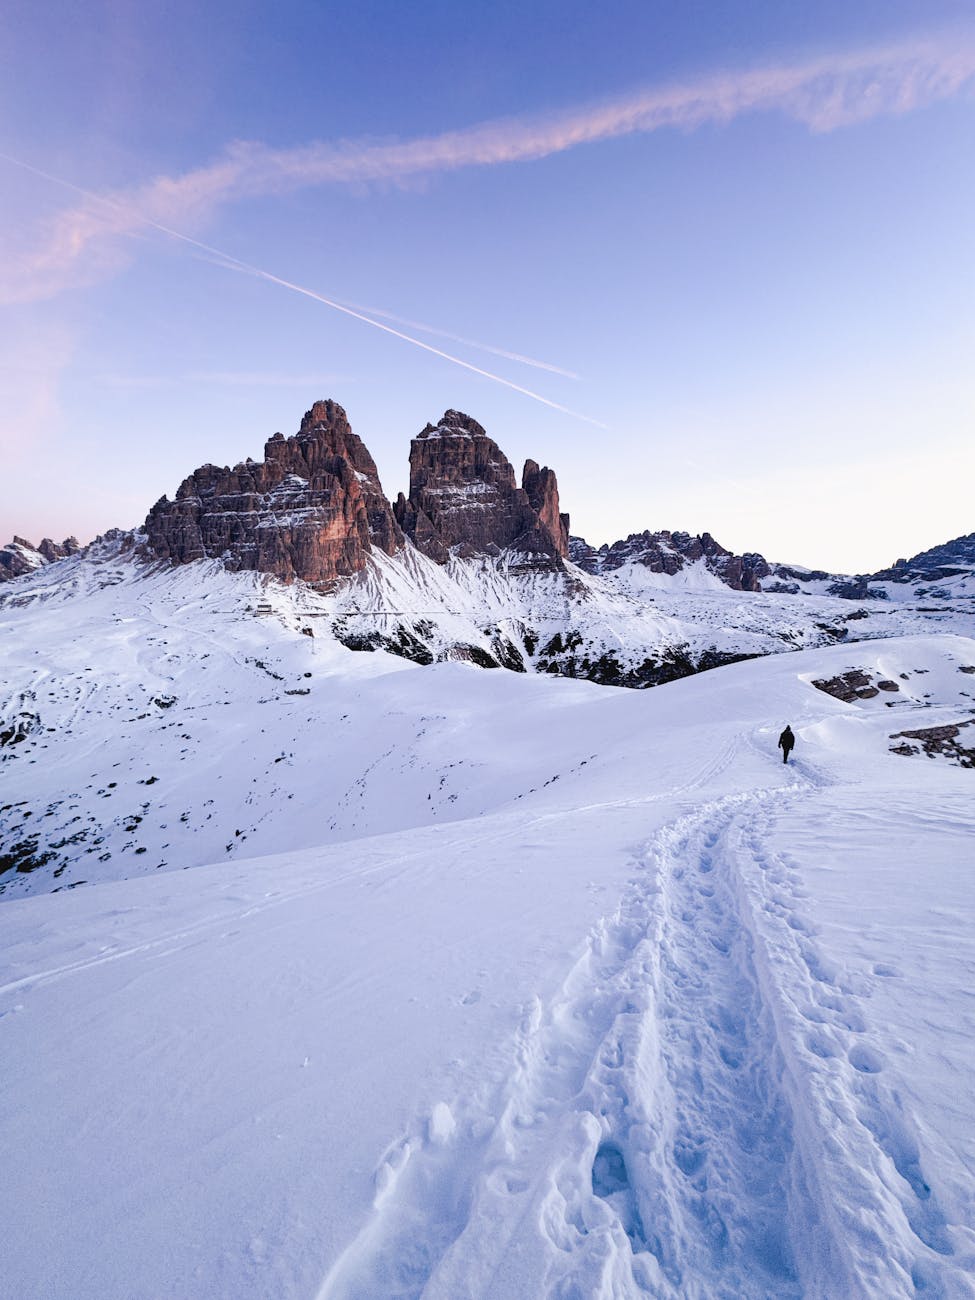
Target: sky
[(711, 260)]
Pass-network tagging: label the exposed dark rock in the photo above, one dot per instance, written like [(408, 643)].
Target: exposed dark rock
[(401, 640), (834, 633), (20, 556), (856, 589), (800, 575), (950, 560), (667, 552), (945, 740), (312, 509), (472, 654), (24, 856), (561, 656), (851, 686), (507, 653), (464, 499)]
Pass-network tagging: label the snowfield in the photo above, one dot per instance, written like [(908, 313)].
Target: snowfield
[(510, 986)]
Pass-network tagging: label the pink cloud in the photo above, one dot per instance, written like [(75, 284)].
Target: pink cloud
[(88, 241)]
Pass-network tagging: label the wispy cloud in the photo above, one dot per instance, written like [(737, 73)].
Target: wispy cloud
[(824, 93)]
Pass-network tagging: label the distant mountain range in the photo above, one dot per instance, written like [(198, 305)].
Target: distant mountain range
[(470, 564)]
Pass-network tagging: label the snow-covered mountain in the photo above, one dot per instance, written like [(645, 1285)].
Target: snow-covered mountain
[(943, 573), (337, 975), (147, 649)]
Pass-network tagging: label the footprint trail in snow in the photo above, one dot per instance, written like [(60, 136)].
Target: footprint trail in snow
[(644, 1142)]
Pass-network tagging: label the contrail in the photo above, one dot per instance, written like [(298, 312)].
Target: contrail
[(235, 264), (470, 343)]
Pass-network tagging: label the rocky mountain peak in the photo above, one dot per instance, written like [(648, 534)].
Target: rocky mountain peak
[(312, 509), (453, 424), (464, 498), (952, 559), (322, 413), (542, 489)]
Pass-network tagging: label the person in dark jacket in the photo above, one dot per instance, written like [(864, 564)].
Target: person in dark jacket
[(786, 742)]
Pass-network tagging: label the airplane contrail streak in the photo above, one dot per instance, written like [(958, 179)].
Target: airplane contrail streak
[(235, 264), (470, 343)]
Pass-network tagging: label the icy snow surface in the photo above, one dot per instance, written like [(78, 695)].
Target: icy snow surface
[(516, 987)]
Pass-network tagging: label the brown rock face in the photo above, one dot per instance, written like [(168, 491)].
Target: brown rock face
[(464, 497), (542, 490), (20, 556), (946, 741), (312, 509), (853, 685)]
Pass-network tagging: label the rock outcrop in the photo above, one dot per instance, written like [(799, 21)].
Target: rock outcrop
[(312, 509), (542, 489), (464, 498), (945, 740), (666, 552), (20, 556), (954, 559)]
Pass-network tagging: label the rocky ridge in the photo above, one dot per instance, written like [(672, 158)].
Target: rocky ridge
[(20, 556), (669, 553), (954, 559)]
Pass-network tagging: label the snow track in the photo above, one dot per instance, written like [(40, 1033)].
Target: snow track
[(644, 1141)]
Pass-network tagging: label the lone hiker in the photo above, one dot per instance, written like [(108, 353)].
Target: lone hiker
[(786, 742)]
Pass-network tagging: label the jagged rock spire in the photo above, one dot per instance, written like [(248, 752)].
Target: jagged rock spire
[(464, 497), (312, 509)]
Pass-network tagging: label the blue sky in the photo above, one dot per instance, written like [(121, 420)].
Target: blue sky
[(758, 264)]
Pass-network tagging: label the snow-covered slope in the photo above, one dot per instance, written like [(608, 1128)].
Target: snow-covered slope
[(156, 717), (596, 998), (628, 627)]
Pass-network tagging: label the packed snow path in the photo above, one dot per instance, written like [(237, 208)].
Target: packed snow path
[(646, 1129), (663, 1128)]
